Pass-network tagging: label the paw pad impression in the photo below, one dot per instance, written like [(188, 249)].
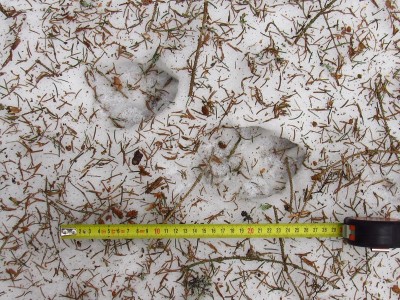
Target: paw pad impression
[(248, 162), (129, 92)]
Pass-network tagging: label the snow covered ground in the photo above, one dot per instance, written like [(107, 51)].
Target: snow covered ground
[(192, 112)]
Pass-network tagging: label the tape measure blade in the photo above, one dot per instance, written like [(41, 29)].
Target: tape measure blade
[(158, 231)]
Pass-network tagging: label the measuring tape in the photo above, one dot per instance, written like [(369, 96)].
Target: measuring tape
[(364, 232)]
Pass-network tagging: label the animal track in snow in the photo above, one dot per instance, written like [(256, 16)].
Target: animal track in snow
[(130, 92), (248, 162)]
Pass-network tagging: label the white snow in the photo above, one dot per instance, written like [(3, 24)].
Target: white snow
[(90, 83)]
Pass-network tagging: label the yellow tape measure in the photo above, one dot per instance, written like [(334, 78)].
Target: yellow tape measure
[(176, 231), (377, 233)]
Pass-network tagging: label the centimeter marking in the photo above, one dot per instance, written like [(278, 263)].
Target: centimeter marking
[(176, 231)]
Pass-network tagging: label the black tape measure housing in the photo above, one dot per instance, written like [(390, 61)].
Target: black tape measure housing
[(373, 232)]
